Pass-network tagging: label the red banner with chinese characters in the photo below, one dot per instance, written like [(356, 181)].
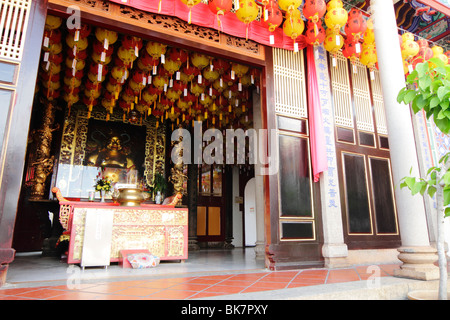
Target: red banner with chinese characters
[(201, 15)]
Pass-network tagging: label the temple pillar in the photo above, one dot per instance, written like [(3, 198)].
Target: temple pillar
[(416, 253), (16, 115), (334, 250), (259, 185)]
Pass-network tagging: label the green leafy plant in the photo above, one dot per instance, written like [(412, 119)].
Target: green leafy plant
[(428, 88), (160, 184)]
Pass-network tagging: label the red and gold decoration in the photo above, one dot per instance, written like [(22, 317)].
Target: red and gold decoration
[(135, 79)]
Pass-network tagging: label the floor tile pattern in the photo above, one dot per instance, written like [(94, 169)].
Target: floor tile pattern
[(197, 286)]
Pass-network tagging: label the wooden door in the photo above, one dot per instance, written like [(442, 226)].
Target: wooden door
[(211, 204)]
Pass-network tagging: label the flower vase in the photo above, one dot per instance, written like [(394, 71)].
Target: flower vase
[(102, 195)]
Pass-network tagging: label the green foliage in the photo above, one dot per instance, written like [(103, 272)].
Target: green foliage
[(428, 88), (430, 184), (160, 184)]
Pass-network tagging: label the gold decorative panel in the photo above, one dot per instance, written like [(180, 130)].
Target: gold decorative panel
[(73, 145)]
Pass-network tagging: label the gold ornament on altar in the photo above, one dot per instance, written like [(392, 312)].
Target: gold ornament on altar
[(177, 176)]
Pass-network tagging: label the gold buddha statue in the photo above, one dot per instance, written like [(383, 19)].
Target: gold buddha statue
[(112, 156)]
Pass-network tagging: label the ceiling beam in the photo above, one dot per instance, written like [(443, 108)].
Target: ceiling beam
[(437, 6)]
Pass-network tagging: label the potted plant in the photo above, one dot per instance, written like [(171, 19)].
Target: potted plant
[(428, 88), (102, 185), (159, 185)]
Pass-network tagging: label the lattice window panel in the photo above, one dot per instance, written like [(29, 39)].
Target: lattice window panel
[(13, 25), (340, 84), (290, 87), (361, 97), (377, 96)]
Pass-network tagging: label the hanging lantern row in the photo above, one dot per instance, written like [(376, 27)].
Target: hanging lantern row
[(144, 78), (414, 52)]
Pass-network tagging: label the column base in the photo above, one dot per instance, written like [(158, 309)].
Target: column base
[(260, 251), (335, 255), (418, 263), (6, 257)]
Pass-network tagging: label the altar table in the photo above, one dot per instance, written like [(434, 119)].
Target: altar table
[(161, 229)]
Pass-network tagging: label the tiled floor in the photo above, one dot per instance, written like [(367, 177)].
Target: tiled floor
[(192, 287)]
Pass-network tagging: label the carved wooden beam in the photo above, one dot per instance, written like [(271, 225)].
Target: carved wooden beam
[(172, 29)]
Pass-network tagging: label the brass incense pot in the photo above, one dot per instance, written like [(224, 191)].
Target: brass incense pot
[(131, 197)]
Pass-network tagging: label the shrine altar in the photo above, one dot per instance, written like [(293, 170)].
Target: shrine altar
[(161, 229)]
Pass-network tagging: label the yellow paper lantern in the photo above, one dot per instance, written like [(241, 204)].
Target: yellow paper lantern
[(333, 41), (172, 66), (190, 4), (155, 49), (197, 89), (72, 82), (438, 52), (71, 98), (81, 44), (293, 26), (248, 11), (409, 47), (369, 35), (172, 95), (149, 97), (107, 37), (210, 75), (127, 55), (93, 94), (199, 60), (368, 56), (239, 69), (97, 58), (51, 85), (118, 73), (289, 5), (160, 82), (54, 48), (78, 64), (220, 85), (52, 22), (336, 16)]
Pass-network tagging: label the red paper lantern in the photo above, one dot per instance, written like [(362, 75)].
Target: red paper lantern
[(314, 10), (221, 65), (130, 42), (219, 8), (356, 24), (350, 51), (273, 17), (83, 31), (315, 34), (176, 54)]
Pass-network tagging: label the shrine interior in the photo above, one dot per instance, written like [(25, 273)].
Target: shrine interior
[(99, 88)]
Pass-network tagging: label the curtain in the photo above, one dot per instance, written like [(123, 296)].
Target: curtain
[(316, 131)]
